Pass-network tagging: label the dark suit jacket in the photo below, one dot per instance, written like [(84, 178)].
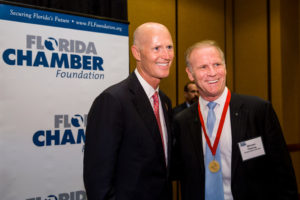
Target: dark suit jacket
[(266, 177), (124, 156), (179, 108)]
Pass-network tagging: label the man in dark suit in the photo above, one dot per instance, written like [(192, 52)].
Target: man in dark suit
[(249, 157), (128, 140), (191, 95)]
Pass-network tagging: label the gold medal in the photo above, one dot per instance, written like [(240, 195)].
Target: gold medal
[(214, 166)]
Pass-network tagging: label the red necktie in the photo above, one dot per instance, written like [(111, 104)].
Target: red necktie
[(156, 112)]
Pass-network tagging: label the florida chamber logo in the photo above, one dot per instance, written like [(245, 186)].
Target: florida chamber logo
[(71, 58), (68, 130), (77, 195)]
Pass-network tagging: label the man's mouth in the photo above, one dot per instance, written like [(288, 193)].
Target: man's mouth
[(213, 81), (163, 64)]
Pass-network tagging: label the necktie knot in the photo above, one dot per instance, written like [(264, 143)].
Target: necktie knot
[(211, 105), (155, 97)]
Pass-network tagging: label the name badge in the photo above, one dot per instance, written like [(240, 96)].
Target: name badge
[(252, 148)]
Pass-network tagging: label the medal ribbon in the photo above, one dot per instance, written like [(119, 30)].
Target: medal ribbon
[(216, 142)]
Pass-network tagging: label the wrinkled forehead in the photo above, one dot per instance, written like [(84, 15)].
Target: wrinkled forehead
[(205, 54)]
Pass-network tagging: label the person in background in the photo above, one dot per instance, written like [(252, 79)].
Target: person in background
[(191, 96), (229, 146), (128, 138)]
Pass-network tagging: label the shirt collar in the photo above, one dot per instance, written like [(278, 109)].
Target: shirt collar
[(187, 104), (146, 86), (220, 101)]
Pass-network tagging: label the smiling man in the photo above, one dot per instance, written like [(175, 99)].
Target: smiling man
[(128, 138), (229, 146)]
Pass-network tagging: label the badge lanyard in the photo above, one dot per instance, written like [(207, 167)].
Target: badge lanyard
[(216, 142)]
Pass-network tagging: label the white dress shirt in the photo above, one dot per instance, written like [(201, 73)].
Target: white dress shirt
[(225, 140), (150, 92)]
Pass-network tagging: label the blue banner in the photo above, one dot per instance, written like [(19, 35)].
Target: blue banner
[(34, 16)]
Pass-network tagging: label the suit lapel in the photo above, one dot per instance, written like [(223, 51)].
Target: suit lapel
[(144, 109), (196, 134), (238, 117)]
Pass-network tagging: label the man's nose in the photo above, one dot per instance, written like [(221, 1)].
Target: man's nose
[(167, 54), (211, 70)]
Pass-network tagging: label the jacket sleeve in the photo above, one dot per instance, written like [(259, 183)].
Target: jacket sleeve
[(103, 137), (284, 179)]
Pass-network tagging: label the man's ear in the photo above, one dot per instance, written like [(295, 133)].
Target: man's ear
[(190, 74), (136, 52)]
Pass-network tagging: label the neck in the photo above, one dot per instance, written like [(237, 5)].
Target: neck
[(154, 82), (211, 98)]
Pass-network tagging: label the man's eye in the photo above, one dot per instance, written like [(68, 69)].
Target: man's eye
[(170, 47)]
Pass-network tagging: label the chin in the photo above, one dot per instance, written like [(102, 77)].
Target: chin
[(164, 74)]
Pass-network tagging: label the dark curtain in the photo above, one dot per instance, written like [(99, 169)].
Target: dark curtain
[(114, 9)]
